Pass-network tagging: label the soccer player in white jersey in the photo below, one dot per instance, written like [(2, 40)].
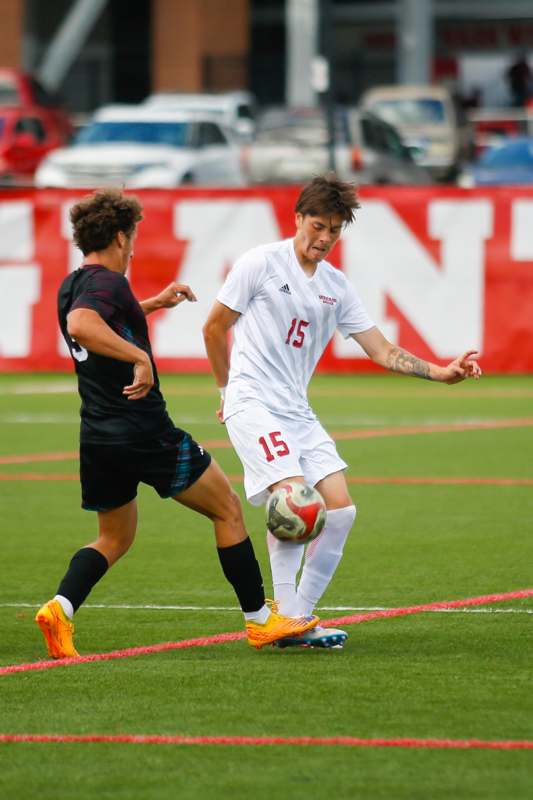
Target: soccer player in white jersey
[(284, 302)]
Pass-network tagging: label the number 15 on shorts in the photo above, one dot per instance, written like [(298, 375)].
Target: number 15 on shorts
[(273, 445)]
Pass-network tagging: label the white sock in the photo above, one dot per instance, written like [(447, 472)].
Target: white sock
[(260, 616), (322, 558), (285, 562), (66, 605)]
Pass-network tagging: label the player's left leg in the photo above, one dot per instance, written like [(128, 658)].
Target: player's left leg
[(323, 555), (116, 532)]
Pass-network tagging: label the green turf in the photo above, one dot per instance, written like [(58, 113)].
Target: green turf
[(446, 675)]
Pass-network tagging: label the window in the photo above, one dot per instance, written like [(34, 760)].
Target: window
[(175, 134), (9, 95), (31, 126), (244, 112), (210, 134)]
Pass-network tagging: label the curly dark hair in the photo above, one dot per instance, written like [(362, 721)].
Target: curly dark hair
[(326, 195), (98, 217)]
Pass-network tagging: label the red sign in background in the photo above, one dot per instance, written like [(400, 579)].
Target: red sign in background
[(34, 241)]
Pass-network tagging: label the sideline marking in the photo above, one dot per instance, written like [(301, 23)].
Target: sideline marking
[(410, 430), (367, 480), (235, 636), (29, 458), (345, 741), (38, 476), (399, 430), (234, 609), (67, 386)]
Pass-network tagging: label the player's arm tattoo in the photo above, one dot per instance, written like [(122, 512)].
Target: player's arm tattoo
[(400, 360)]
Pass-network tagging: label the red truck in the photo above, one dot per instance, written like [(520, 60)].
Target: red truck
[(32, 122)]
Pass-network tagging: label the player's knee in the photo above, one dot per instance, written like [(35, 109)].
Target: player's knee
[(340, 521), (234, 508), (229, 509)]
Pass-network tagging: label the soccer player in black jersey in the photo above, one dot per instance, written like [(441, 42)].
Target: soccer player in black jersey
[(126, 435)]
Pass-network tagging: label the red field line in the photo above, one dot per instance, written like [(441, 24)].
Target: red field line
[(442, 481), (407, 430), (410, 430), (353, 479), (29, 458), (305, 741), (39, 476), (220, 638)]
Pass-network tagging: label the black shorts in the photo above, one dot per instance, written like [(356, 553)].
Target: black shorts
[(110, 474)]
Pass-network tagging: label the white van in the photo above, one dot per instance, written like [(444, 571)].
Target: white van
[(428, 122), (236, 110)]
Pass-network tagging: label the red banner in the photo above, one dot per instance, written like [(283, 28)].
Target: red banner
[(440, 270)]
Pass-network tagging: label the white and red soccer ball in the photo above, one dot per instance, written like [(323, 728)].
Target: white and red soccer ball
[(295, 512)]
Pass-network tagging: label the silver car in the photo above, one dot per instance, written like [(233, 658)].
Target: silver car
[(292, 145), (138, 147)]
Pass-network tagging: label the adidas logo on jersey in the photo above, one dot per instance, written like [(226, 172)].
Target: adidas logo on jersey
[(285, 288)]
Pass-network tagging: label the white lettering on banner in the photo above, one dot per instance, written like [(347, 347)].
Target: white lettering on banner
[(16, 230), (521, 227), (75, 259), (19, 291), (218, 232), (19, 283), (443, 302)]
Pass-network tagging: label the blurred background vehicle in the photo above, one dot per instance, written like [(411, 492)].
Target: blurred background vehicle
[(138, 146), (492, 127), (235, 110), (292, 145), (510, 162), (26, 136), (32, 122), (22, 90), (428, 121)]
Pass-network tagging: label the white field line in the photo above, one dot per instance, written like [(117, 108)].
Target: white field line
[(153, 607), (392, 391), (39, 388)]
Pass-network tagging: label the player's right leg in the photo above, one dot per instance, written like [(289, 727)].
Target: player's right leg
[(212, 496)]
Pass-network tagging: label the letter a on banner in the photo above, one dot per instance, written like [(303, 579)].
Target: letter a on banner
[(218, 232)]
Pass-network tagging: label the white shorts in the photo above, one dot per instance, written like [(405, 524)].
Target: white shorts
[(272, 447)]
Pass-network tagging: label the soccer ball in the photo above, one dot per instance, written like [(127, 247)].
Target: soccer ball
[(295, 512)]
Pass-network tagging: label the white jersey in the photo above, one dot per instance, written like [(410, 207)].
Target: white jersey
[(286, 322)]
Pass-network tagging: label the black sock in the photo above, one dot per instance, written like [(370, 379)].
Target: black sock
[(85, 570), (242, 571)]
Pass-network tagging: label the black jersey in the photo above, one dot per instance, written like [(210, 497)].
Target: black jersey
[(107, 416)]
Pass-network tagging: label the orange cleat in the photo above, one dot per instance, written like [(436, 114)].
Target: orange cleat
[(57, 630)]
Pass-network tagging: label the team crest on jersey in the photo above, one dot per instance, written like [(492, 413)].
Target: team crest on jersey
[(329, 301), (285, 288)]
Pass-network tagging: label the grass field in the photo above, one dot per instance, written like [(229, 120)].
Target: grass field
[(461, 529)]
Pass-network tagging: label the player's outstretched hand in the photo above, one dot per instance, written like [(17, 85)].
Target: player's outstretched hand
[(174, 294), (463, 367), (143, 380)]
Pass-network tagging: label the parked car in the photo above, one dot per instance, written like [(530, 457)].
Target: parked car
[(291, 146), (22, 90), (235, 110), (509, 163), (136, 146), (26, 136), (429, 123)]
